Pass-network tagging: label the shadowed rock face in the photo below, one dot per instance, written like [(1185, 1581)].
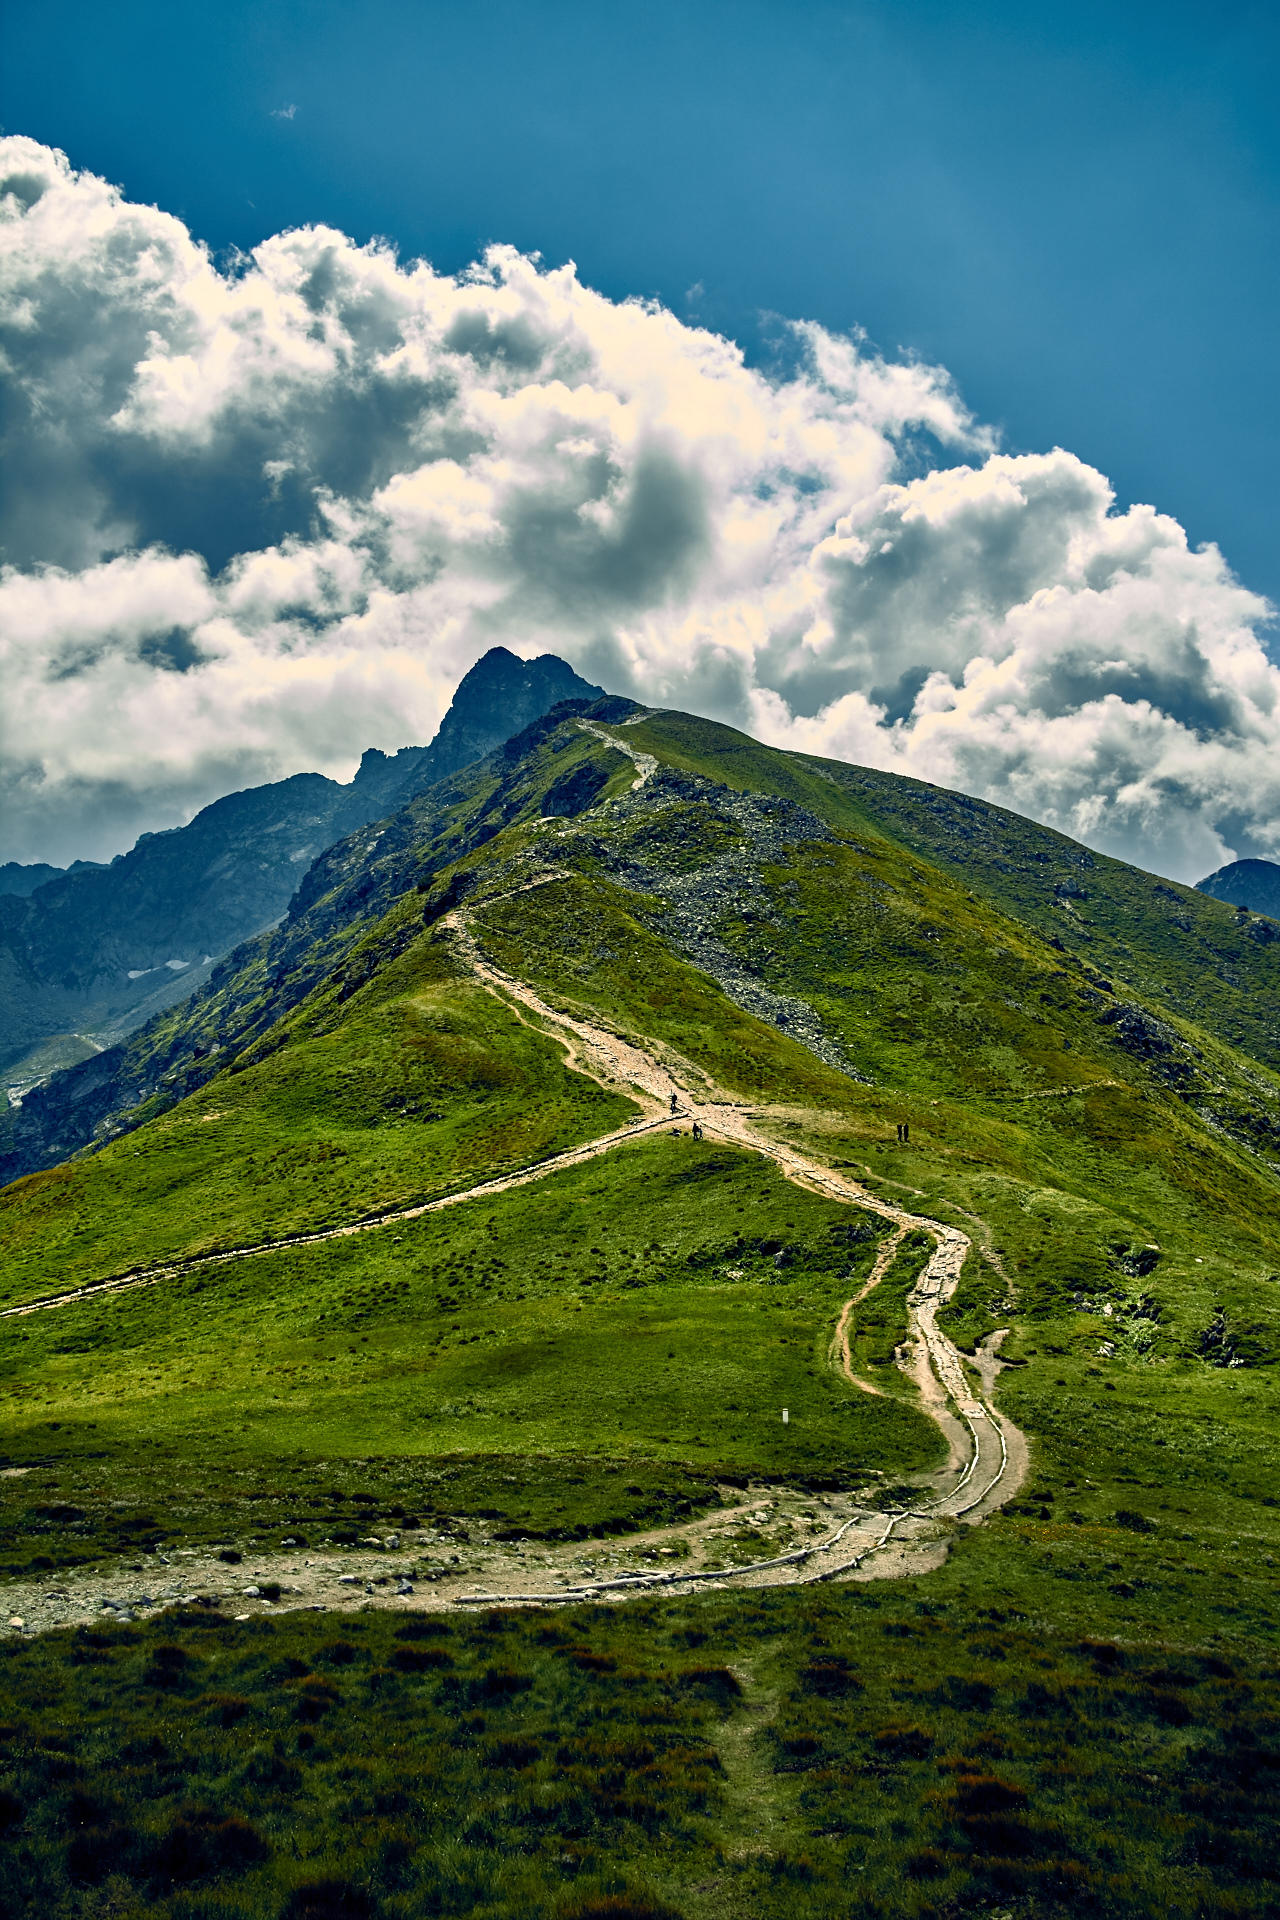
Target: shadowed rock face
[(15, 878), (105, 948), (1254, 884), (499, 697), (576, 792)]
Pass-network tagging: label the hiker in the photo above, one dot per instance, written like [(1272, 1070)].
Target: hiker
[(906, 1133), (697, 1131), (673, 1103), (899, 1133)]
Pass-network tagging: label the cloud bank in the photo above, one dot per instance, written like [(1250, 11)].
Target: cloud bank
[(261, 516)]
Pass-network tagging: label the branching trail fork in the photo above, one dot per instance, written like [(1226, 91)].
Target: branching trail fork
[(986, 1454)]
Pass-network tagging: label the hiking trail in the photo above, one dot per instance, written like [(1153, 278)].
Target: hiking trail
[(987, 1455)]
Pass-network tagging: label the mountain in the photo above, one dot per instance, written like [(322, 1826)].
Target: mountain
[(1251, 885), (1143, 951), (387, 1329), (102, 949), (500, 696), (15, 878)]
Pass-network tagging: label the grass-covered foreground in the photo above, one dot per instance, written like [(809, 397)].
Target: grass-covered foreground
[(968, 1745)]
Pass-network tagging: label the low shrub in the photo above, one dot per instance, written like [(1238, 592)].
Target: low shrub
[(830, 1678), (904, 1743), (499, 1683), (338, 1653), (619, 1906), (420, 1659), (927, 1864), (203, 1842), (167, 1669), (513, 1754), (718, 1683), (422, 1628), (102, 1850), (588, 1662), (228, 1708), (1134, 1522), (315, 1698), (328, 1900)]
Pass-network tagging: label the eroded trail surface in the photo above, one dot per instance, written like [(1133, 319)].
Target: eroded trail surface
[(770, 1537), (986, 1455)]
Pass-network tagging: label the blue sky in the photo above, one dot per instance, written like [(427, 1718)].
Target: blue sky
[(1072, 208), (984, 263)]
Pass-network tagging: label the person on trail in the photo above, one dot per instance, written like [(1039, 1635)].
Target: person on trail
[(697, 1130), (673, 1103), (899, 1133), (906, 1133)]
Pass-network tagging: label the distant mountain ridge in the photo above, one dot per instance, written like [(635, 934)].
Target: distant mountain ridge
[(1122, 965), (104, 948), (15, 878), (1251, 884)]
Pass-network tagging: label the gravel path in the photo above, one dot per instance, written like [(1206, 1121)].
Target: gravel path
[(987, 1455)]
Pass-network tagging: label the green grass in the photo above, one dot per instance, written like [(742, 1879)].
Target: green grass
[(610, 1347), (664, 1303), (423, 1085), (970, 1742), (1210, 964), (879, 1323), (581, 943)]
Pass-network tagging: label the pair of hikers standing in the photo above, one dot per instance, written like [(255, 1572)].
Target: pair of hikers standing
[(675, 1102)]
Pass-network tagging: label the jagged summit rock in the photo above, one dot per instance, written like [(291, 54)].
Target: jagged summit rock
[(496, 699), (15, 878), (101, 949), (1254, 884)]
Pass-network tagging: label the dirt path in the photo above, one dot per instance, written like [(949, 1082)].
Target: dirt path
[(645, 764), (839, 1351), (987, 1457)]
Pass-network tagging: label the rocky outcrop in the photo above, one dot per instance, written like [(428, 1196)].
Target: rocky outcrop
[(324, 935), (1252, 885), (700, 896), (103, 949)]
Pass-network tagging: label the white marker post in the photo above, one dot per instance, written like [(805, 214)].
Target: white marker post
[(786, 1417)]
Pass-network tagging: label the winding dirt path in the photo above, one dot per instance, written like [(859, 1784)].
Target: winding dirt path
[(987, 1455)]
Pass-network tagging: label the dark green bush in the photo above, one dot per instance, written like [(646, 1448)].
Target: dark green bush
[(1134, 1522), (830, 1678), (419, 1659), (203, 1843), (328, 1900)]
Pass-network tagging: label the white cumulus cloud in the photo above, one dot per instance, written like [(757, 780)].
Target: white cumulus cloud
[(260, 518)]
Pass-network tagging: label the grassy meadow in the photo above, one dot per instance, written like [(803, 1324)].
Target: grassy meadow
[(1077, 1713), (976, 1742)]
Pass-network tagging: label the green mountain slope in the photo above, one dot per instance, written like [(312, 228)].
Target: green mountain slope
[(104, 948), (565, 1363), (1200, 958)]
